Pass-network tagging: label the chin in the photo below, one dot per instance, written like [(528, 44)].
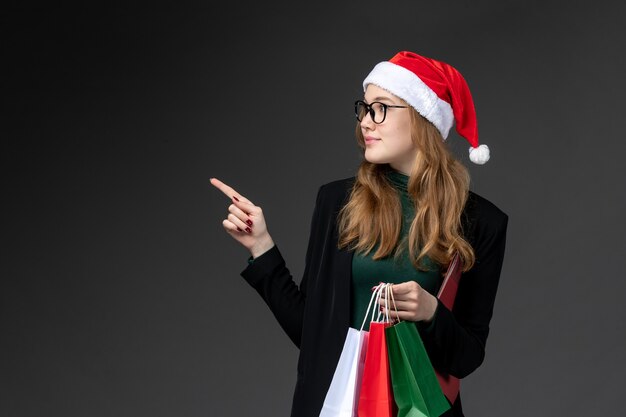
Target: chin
[(375, 159)]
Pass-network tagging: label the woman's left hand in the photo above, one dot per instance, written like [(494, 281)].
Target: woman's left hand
[(413, 303)]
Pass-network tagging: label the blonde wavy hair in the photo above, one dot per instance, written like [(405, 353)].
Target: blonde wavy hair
[(439, 187)]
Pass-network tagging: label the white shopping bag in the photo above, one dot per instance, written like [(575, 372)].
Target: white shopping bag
[(342, 397)]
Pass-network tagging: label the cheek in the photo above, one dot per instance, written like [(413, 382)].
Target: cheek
[(402, 137)]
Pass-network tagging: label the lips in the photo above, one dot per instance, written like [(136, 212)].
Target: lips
[(369, 139)]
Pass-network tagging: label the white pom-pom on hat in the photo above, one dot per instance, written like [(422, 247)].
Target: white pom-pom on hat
[(479, 155)]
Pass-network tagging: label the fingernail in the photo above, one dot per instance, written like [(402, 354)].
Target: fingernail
[(249, 222), (248, 230), (236, 199), (239, 229)]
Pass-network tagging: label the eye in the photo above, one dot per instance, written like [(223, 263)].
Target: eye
[(379, 108)]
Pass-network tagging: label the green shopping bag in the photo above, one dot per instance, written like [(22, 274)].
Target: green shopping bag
[(416, 389)]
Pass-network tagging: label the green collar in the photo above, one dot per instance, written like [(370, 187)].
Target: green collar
[(399, 180)]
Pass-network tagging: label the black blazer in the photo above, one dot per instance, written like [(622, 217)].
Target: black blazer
[(316, 313)]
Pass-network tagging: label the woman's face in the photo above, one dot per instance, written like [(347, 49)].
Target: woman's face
[(388, 142)]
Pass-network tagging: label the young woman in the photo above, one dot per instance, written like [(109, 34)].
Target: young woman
[(400, 219)]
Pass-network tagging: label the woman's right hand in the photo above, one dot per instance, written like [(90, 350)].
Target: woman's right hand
[(245, 221)]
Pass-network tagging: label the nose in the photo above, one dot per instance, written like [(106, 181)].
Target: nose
[(367, 122)]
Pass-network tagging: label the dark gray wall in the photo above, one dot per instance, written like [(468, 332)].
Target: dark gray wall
[(120, 292)]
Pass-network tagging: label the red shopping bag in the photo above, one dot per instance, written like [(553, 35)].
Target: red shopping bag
[(447, 294), (376, 394)]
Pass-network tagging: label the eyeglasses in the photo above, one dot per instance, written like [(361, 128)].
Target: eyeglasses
[(377, 110)]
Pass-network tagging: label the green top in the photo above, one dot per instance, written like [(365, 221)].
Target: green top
[(367, 273)]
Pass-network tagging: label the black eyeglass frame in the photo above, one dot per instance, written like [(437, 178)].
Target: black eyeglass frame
[(370, 110)]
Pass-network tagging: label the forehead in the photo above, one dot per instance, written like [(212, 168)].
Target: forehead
[(375, 93)]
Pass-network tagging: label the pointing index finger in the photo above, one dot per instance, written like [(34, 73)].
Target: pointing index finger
[(227, 190)]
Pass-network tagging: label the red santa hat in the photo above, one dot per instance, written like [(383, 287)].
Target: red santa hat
[(436, 90)]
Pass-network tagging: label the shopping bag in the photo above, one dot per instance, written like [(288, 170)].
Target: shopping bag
[(342, 397), (416, 389), (447, 294), (376, 395)]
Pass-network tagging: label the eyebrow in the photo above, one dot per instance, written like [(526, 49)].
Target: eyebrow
[(379, 98)]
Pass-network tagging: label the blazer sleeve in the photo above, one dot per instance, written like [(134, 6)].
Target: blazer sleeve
[(456, 340), (270, 277)]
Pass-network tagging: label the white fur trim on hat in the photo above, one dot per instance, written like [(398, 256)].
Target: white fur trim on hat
[(410, 88)]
